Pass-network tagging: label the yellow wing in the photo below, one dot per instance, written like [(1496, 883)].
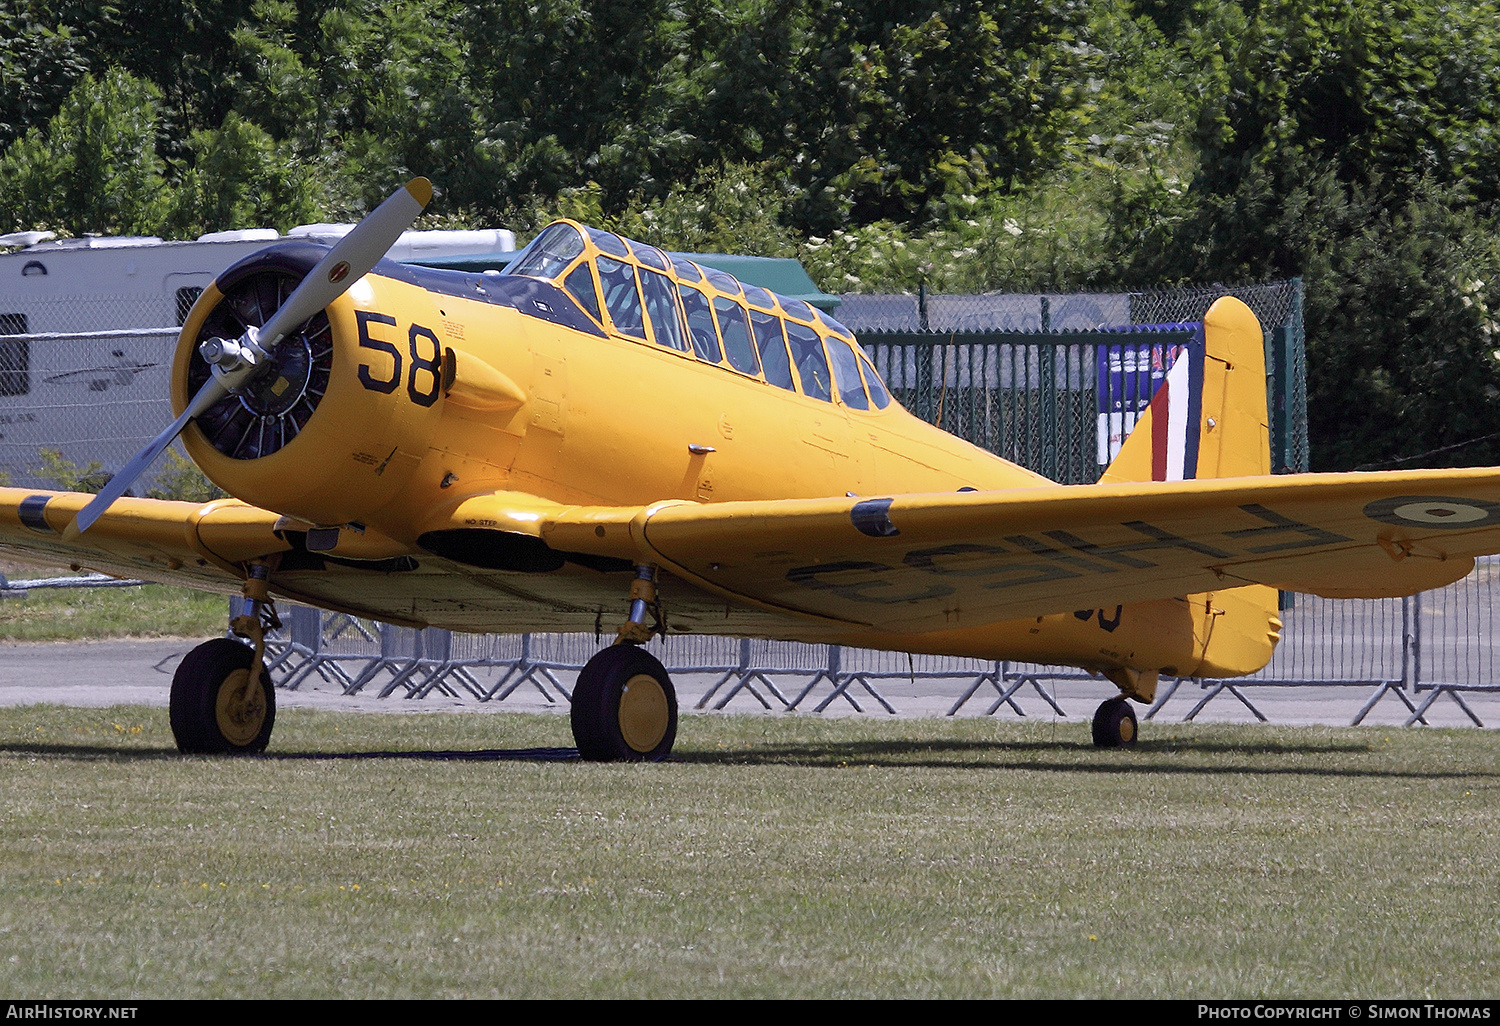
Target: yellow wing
[(199, 545), (907, 563), (208, 545), (914, 563)]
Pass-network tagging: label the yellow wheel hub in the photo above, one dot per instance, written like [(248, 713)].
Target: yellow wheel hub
[(643, 712), (1127, 730), (240, 708)]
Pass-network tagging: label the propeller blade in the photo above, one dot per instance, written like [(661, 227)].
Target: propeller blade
[(349, 260), (211, 392)]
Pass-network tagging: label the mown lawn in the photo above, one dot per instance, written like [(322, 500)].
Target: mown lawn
[(399, 856)]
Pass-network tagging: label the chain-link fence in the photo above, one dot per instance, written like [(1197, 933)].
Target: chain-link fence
[(1060, 404), (1028, 377), (1278, 306), (77, 389)]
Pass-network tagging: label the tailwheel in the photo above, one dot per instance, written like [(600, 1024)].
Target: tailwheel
[(624, 707), (215, 707), (1114, 724)]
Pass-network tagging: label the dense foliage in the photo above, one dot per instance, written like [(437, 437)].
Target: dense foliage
[(1043, 144)]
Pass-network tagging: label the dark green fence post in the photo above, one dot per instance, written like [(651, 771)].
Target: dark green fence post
[(1300, 453), (922, 355), (1046, 359), (1282, 460)]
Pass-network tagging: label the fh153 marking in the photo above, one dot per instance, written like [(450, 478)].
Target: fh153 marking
[(1027, 560), (1109, 625)]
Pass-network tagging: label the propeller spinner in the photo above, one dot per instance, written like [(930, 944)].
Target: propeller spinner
[(238, 363)]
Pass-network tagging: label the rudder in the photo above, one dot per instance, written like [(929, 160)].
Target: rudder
[(1208, 418)]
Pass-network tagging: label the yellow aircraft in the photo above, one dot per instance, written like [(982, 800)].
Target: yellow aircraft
[(607, 428)]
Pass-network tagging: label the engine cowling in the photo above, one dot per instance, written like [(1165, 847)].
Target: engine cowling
[(337, 425)]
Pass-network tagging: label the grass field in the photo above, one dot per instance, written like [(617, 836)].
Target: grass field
[(69, 614), (778, 856)]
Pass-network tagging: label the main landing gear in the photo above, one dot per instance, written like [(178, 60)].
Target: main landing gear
[(624, 705), (217, 706), (222, 699)]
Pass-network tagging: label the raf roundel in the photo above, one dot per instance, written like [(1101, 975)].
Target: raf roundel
[(1434, 511)]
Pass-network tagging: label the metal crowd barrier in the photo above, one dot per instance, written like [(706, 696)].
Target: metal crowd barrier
[(1452, 645), (79, 581), (1415, 650)]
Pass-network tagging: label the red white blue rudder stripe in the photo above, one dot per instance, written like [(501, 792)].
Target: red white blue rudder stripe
[(1176, 418)]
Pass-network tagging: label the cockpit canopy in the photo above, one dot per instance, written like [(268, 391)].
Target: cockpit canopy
[(638, 292)]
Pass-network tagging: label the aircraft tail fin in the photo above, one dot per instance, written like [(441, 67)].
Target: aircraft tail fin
[(1208, 418)]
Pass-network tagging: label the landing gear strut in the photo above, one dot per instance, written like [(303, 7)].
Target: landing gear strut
[(222, 698), (1114, 724), (624, 705)]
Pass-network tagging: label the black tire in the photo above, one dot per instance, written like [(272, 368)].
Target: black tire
[(205, 725), (1114, 724), (624, 707)]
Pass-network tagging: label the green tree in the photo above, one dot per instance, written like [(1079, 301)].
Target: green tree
[(94, 168), (580, 90), (39, 63), (242, 178), (364, 94), (731, 208), (1368, 92), (184, 47), (1402, 333), (896, 107), (1354, 144)]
